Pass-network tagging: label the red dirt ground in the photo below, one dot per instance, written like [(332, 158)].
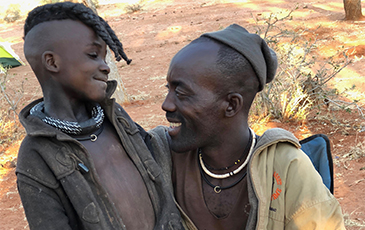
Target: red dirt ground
[(153, 35)]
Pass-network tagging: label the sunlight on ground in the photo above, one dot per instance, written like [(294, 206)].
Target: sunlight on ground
[(10, 154), (250, 3), (24, 5), (301, 131), (330, 6), (168, 32)]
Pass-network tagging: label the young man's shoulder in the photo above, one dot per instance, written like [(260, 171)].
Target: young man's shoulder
[(32, 165)]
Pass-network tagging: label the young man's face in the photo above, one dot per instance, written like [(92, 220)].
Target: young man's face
[(192, 106), (81, 53)]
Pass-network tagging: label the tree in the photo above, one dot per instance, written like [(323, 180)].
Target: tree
[(120, 93), (353, 10)]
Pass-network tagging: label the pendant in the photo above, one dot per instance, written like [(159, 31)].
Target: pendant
[(217, 189), (93, 137)]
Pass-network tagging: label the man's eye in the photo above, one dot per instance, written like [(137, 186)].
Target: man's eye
[(179, 94)]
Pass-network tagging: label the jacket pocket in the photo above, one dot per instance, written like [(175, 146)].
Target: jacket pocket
[(90, 213)]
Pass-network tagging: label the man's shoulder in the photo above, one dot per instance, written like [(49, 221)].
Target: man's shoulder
[(159, 131), (275, 136), (160, 139)]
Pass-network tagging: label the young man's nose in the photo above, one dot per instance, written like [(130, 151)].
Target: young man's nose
[(104, 68)]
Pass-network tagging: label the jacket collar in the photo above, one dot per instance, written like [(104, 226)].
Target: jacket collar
[(276, 135), (36, 127)]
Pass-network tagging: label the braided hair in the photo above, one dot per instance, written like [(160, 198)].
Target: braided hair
[(76, 11)]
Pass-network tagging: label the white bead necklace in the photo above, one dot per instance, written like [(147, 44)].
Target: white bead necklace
[(234, 172)]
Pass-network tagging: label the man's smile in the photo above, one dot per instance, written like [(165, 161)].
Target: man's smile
[(174, 128), (174, 124)]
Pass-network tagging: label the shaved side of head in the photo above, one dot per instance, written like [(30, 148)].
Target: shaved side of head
[(39, 40)]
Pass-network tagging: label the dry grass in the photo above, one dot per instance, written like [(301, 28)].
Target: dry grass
[(356, 152), (349, 222), (131, 8)]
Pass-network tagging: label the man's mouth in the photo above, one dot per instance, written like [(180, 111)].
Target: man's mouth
[(174, 128), (174, 125)]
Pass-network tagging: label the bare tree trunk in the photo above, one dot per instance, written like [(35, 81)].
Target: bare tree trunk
[(353, 10), (120, 93)]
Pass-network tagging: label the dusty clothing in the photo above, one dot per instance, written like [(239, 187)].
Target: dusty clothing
[(284, 189), (189, 191), (58, 194)]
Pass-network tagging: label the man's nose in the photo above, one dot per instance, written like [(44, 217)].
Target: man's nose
[(168, 105)]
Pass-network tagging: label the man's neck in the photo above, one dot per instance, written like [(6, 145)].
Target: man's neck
[(232, 148)]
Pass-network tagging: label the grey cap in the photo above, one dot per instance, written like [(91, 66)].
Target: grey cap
[(252, 47)]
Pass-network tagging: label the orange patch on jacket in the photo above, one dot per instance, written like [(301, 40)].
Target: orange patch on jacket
[(277, 192)]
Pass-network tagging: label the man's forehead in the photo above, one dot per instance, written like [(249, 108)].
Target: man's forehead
[(194, 64), (200, 49)]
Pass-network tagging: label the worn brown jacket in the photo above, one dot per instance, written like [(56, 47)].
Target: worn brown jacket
[(58, 194)]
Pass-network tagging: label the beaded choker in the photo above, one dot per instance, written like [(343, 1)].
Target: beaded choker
[(71, 127), (217, 189), (234, 172)]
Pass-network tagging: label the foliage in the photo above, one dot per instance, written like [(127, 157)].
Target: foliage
[(131, 8), (9, 125), (301, 79), (12, 13), (49, 1), (96, 3), (11, 96)]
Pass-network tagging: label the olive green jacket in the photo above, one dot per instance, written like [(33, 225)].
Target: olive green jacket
[(285, 191)]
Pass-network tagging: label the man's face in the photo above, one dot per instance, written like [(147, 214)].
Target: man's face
[(83, 71), (192, 106)]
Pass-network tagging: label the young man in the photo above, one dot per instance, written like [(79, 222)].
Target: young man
[(224, 175), (84, 163)]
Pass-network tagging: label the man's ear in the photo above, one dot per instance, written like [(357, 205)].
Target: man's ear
[(50, 61), (235, 104)]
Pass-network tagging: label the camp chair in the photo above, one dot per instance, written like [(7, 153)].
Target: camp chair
[(318, 149)]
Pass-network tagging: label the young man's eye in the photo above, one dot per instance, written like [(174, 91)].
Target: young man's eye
[(93, 55)]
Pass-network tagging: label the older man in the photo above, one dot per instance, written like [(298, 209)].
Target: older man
[(225, 176)]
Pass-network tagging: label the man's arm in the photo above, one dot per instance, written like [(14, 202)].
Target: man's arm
[(309, 204)]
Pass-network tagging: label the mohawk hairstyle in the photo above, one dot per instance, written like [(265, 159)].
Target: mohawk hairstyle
[(76, 11)]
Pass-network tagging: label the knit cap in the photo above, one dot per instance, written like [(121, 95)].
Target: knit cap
[(252, 47)]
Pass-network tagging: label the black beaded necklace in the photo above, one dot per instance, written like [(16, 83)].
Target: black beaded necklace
[(71, 127), (92, 137)]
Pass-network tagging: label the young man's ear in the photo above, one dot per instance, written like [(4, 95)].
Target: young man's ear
[(235, 104), (50, 61)]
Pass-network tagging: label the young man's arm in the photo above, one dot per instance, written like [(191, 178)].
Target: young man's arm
[(43, 207)]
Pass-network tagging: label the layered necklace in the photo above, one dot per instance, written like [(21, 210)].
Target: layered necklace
[(204, 170), (74, 127)]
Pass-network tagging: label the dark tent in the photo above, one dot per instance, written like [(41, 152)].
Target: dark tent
[(8, 59)]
